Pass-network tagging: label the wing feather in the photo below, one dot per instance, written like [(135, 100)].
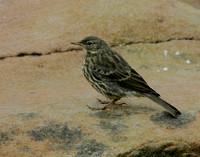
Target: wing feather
[(117, 69)]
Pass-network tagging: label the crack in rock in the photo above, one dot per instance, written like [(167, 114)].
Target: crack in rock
[(22, 54), (157, 41)]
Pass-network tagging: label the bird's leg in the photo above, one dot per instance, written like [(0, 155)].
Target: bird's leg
[(103, 101), (113, 102), (104, 107), (123, 103), (107, 102)]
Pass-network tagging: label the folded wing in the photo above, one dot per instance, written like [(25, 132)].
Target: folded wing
[(117, 69)]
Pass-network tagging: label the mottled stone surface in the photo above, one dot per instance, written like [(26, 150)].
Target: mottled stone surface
[(43, 26), (43, 98), (43, 108)]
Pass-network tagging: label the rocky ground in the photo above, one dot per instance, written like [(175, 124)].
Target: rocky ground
[(43, 94)]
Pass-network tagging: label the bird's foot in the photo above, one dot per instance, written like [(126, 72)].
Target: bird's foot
[(104, 107), (103, 102), (110, 102), (100, 108), (123, 103)]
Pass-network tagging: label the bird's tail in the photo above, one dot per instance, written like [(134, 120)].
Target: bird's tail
[(171, 109)]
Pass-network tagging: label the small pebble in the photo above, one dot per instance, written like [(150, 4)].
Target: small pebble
[(165, 68), (188, 61), (177, 53), (165, 53)]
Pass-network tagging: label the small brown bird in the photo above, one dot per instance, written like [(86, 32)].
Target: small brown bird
[(113, 77)]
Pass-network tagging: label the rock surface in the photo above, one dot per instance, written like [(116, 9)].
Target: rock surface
[(43, 98), (41, 27)]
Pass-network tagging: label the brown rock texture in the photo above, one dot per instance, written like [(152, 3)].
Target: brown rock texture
[(43, 94), (43, 26)]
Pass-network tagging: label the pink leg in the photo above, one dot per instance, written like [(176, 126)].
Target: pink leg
[(103, 102), (108, 102), (113, 102), (102, 108)]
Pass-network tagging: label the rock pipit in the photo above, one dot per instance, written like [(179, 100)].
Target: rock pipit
[(113, 77)]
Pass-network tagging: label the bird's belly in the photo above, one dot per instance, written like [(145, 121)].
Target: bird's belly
[(107, 88)]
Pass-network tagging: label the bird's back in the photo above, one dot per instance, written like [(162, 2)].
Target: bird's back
[(110, 71)]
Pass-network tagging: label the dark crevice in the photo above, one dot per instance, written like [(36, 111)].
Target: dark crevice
[(156, 42), (22, 54)]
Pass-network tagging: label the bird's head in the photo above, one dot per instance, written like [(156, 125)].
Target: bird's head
[(91, 44)]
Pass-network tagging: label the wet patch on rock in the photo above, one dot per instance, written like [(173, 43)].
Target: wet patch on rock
[(67, 139), (90, 148), (28, 116), (115, 130), (4, 137), (119, 112), (25, 148), (9, 135), (170, 122)]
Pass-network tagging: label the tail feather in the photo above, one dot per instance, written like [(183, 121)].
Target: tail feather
[(171, 109)]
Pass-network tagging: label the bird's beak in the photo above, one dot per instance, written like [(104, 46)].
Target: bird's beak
[(76, 43)]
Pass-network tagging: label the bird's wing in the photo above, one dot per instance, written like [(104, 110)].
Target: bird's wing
[(111, 74), (113, 69), (137, 83), (118, 70)]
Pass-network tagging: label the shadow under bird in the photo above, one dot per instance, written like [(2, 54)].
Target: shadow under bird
[(113, 77)]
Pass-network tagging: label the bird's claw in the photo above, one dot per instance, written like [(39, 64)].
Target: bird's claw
[(110, 102), (99, 108), (123, 103), (102, 101)]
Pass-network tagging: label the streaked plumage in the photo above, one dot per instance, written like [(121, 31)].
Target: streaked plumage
[(112, 76)]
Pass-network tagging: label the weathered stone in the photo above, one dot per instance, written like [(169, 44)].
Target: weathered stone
[(41, 27), (43, 98), (41, 89), (161, 150)]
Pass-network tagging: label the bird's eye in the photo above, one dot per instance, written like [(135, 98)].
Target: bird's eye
[(89, 43)]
